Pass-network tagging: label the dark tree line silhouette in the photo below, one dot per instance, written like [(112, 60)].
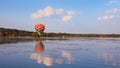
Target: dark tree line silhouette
[(6, 32)]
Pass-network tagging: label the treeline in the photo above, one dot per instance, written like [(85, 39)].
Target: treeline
[(4, 32), (79, 35)]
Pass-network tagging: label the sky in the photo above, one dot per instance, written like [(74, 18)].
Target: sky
[(62, 16)]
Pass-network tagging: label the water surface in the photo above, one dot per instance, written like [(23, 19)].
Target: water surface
[(72, 53)]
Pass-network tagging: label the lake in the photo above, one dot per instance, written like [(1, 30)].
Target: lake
[(61, 53)]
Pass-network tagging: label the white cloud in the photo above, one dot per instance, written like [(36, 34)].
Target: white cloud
[(66, 15), (42, 13), (105, 18), (70, 12), (114, 10), (66, 18), (59, 11), (112, 14), (48, 11), (111, 2), (99, 18)]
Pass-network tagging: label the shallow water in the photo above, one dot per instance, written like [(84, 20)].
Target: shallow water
[(72, 53)]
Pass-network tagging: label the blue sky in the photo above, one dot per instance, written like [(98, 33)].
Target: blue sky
[(69, 16)]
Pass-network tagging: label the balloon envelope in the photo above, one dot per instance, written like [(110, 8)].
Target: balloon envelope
[(40, 27)]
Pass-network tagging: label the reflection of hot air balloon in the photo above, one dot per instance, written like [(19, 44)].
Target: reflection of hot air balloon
[(39, 47), (101, 38), (39, 28)]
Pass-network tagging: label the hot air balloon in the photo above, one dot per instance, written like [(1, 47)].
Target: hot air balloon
[(40, 28)]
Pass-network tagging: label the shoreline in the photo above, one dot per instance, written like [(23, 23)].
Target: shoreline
[(24, 39)]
